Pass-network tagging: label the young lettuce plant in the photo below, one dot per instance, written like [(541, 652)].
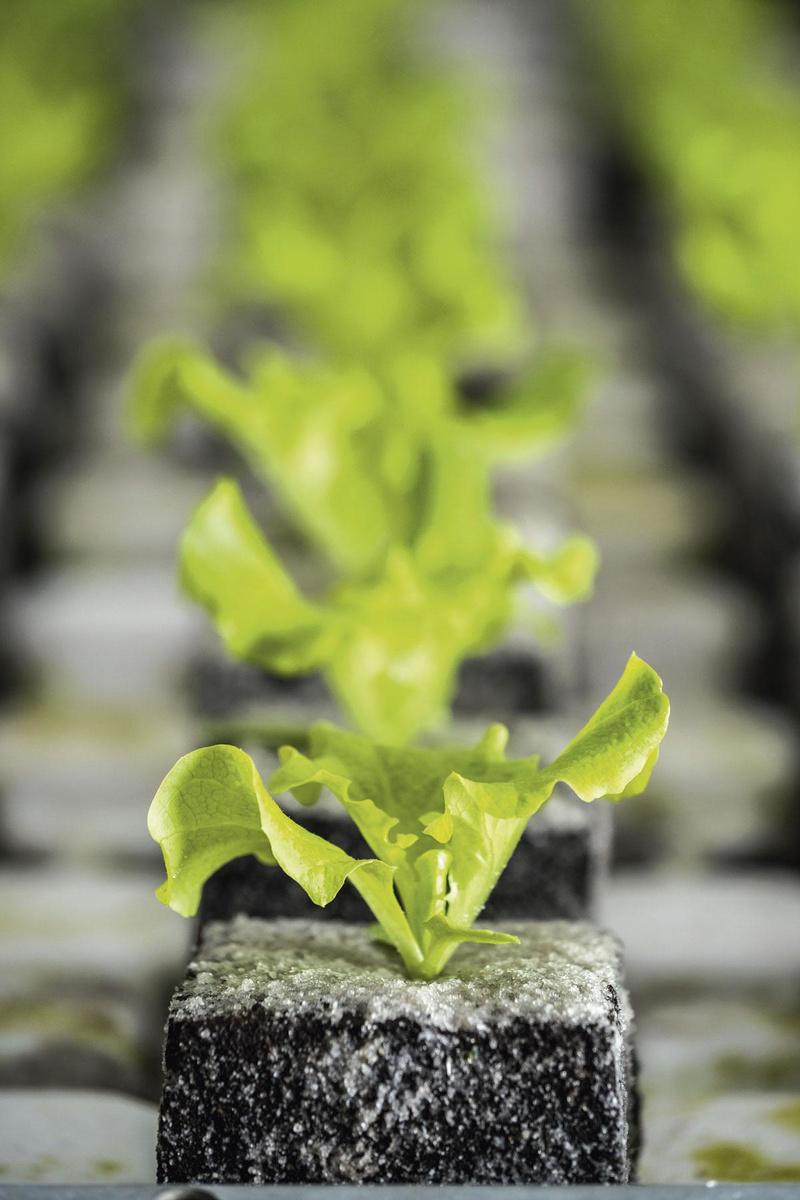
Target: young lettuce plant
[(345, 449), (372, 228), (388, 645), (441, 823), (716, 121), (62, 96)]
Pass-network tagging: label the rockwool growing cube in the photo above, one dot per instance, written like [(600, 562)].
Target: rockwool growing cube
[(300, 1052)]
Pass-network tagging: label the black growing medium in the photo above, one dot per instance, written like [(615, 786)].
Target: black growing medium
[(298, 1052), (553, 873), (504, 682), (218, 688)]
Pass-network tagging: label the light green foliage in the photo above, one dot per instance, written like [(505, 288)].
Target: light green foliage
[(787, 1116), (349, 452), (309, 431), (441, 823), (364, 223), (389, 645), (366, 226), (358, 211), (60, 97), (718, 123), (738, 1162)]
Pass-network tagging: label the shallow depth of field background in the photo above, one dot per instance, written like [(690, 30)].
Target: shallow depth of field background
[(650, 214)]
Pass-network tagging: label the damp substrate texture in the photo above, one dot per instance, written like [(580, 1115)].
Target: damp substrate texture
[(218, 688), (552, 874), (298, 1052)]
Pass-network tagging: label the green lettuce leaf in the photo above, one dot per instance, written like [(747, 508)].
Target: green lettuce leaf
[(213, 807), (402, 638), (369, 231), (305, 429), (173, 375), (566, 575), (612, 756), (404, 635), (227, 566), (615, 752), (720, 134), (535, 411), (361, 460), (204, 814), (388, 790), (444, 938), (156, 396), (317, 450), (449, 819), (481, 825), (457, 531)]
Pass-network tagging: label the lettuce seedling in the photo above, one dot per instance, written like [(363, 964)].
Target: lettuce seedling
[(388, 645), (62, 94), (716, 121), (346, 450), (441, 823), (373, 227)]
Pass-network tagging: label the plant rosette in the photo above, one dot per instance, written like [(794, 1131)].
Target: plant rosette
[(388, 478), (373, 225), (389, 646), (720, 135), (442, 823)]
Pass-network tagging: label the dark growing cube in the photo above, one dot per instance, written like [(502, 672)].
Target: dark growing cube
[(298, 1052), (506, 682), (553, 873), (218, 688)]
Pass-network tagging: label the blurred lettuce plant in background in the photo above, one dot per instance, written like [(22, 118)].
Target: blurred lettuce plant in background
[(390, 643), (353, 454), (357, 210), (359, 215), (62, 95), (706, 91)]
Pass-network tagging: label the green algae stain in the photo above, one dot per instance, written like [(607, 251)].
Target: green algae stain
[(34, 1171), (106, 1167), (788, 1115), (737, 1072), (734, 1162), (45, 1165), (55, 1017)]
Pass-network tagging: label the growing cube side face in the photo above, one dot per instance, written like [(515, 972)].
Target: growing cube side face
[(519, 1104), (552, 874), (324, 1065)]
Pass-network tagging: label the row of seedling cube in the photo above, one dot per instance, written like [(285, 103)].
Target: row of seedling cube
[(426, 1047), (707, 154), (66, 75)]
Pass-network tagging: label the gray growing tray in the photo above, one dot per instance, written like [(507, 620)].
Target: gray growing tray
[(707, 1191)]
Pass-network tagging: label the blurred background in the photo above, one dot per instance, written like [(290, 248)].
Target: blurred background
[(620, 181)]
